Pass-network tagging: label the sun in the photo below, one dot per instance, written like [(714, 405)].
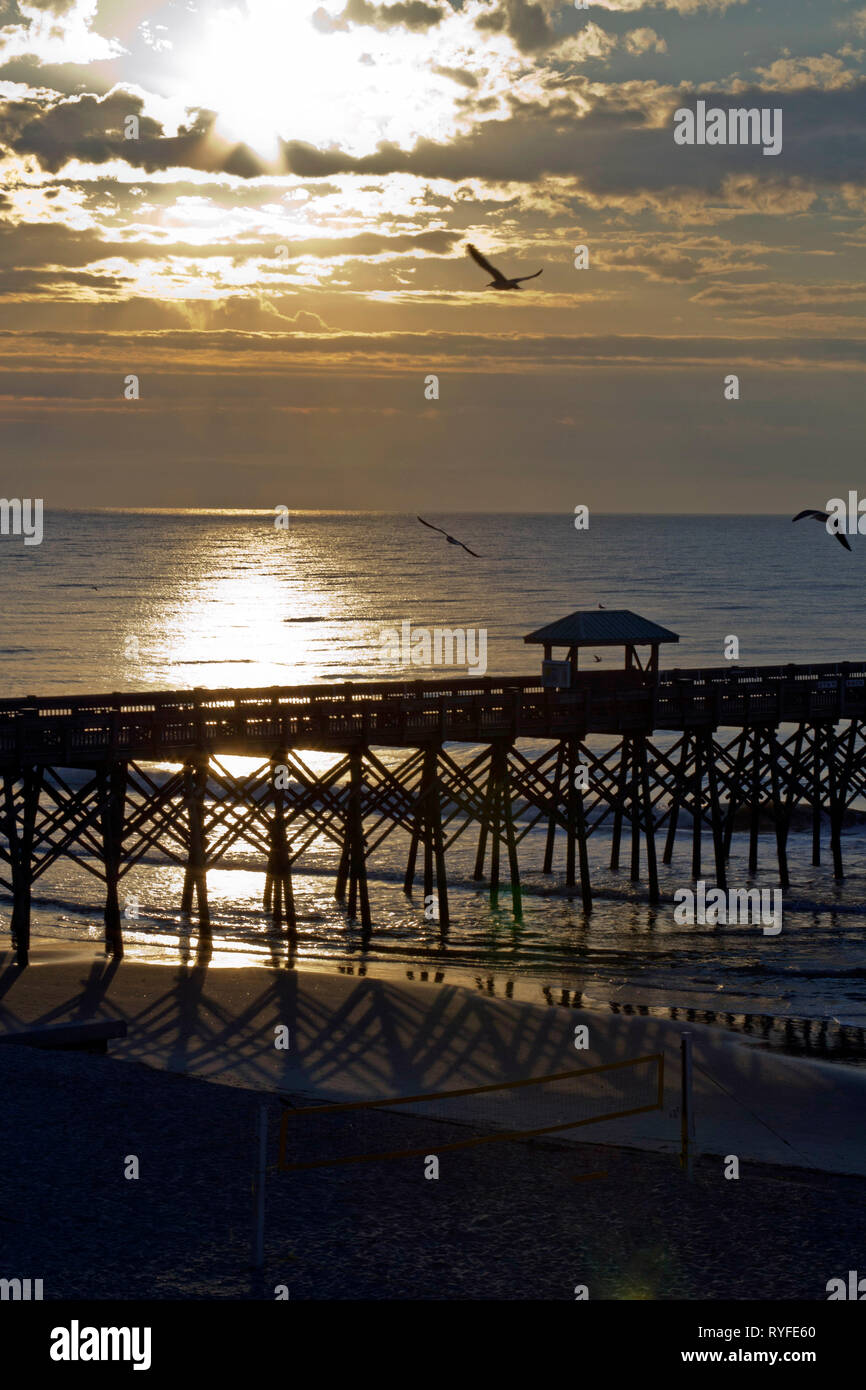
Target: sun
[(259, 69), (276, 70)]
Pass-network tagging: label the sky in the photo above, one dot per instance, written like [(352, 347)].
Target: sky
[(259, 209)]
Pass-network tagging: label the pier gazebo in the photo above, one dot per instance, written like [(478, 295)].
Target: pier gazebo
[(606, 627)]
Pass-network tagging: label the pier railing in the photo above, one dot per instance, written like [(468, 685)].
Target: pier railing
[(405, 713)]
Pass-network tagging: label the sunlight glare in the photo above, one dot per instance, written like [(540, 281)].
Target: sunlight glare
[(270, 74)]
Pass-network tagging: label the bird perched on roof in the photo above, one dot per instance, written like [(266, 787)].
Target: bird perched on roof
[(824, 517), (499, 281), (450, 539)]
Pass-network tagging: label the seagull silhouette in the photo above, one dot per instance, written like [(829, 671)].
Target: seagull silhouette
[(825, 517), (449, 539), (499, 281)]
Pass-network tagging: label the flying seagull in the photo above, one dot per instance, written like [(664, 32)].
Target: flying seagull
[(499, 281), (449, 539), (824, 517)]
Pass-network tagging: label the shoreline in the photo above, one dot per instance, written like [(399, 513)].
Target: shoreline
[(832, 1039), (362, 1038)]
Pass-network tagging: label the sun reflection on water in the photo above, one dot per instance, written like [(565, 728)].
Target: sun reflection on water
[(250, 613)]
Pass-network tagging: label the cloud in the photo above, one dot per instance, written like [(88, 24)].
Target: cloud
[(230, 417), (65, 78), (25, 282), (55, 7), (251, 313), (524, 21), (683, 6), (782, 299), (416, 15), (372, 244), (827, 73), (616, 149), (31, 246), (261, 301), (461, 75), (57, 31), (614, 141), (589, 42), (260, 352), (645, 40), (91, 129), (84, 127), (660, 263)]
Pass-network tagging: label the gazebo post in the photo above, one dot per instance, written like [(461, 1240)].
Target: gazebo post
[(629, 798)]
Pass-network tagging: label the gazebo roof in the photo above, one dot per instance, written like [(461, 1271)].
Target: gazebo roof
[(606, 627)]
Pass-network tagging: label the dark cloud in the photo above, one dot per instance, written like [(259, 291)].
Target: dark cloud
[(88, 127), (91, 128), (56, 7), (35, 244), (18, 282), (524, 21), (65, 78), (407, 14), (405, 350), (465, 79), (29, 245), (620, 151), (615, 148), (752, 299)]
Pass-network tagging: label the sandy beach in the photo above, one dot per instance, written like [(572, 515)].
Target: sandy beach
[(356, 1038), (606, 1206)]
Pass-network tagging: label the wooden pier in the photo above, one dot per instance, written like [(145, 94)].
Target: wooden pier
[(641, 751)]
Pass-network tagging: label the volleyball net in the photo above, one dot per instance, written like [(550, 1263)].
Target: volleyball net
[(325, 1136)]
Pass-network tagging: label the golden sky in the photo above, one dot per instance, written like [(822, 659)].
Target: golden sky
[(278, 254)]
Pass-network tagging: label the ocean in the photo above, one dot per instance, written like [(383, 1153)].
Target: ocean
[(124, 601)]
